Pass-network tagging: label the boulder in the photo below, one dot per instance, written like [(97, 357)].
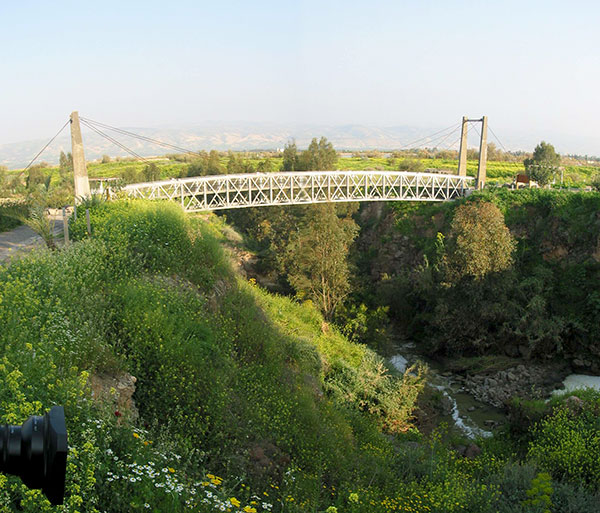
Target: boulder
[(116, 388), (472, 451)]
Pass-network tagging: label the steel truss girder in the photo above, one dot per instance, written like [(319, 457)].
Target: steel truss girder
[(296, 188)]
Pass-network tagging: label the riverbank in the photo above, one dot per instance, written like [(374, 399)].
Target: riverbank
[(471, 394)]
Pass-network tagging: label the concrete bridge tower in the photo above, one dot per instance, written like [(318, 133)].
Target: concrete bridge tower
[(462, 152), (82, 184)]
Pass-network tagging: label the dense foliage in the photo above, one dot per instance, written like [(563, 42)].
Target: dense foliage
[(316, 257), (543, 165), (224, 383), (10, 213), (479, 242), (247, 401), (546, 304)]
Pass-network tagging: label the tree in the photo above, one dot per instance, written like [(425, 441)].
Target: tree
[(213, 165), (596, 182), (479, 242), (151, 172), (130, 175), (65, 163), (493, 153), (412, 165), (316, 257), (320, 156), (237, 164), (206, 164), (36, 177), (3, 177), (265, 166), (290, 156), (543, 165)]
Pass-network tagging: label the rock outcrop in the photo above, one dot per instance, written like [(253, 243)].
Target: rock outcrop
[(531, 381)]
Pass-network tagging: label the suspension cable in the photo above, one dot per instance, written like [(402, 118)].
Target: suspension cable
[(47, 144), (114, 141), (499, 141), (416, 141), (138, 136)]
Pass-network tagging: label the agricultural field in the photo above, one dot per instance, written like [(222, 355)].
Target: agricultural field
[(54, 183), (497, 171)]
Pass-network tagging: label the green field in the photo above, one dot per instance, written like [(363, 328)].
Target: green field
[(497, 171), (132, 171)]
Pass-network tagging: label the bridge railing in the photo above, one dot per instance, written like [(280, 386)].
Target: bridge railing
[(295, 188)]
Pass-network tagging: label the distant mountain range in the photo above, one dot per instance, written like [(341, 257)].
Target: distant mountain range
[(240, 137)]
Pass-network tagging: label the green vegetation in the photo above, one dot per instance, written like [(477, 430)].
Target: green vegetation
[(53, 186), (544, 305), (247, 401), (230, 379), (10, 214), (479, 242), (316, 257), (543, 165), (319, 156)]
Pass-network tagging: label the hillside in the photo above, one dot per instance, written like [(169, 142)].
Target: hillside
[(242, 400), (230, 380)]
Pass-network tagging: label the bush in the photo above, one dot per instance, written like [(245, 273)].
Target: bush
[(10, 212), (566, 443), (155, 233)]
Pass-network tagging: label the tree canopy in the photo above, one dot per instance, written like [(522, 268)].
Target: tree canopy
[(317, 257), (319, 156), (290, 156), (479, 242), (543, 165)]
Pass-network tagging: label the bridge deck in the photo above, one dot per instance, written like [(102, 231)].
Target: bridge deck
[(295, 188)]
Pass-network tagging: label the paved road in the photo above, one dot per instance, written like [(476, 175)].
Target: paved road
[(22, 240)]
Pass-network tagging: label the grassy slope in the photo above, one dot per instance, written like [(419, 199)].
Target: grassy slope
[(232, 382), (229, 378)]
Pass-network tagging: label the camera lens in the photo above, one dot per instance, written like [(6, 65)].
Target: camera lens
[(37, 452)]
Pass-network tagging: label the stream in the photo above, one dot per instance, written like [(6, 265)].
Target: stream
[(470, 417)]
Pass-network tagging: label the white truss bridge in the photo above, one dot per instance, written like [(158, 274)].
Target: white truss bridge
[(298, 188)]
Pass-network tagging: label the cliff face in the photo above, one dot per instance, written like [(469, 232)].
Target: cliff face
[(547, 304), (381, 249)]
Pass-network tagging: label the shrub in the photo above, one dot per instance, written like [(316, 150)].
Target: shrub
[(155, 233), (540, 493), (11, 213), (567, 444)]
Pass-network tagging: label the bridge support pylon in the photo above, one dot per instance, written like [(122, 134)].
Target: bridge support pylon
[(481, 168), (82, 184), (462, 152)]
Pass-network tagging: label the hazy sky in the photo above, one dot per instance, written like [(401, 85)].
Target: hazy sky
[(532, 66)]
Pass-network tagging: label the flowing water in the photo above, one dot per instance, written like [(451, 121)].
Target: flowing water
[(472, 418), (578, 381)]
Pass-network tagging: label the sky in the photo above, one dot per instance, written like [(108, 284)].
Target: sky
[(533, 67)]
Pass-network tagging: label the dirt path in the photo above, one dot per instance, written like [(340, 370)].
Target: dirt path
[(22, 240)]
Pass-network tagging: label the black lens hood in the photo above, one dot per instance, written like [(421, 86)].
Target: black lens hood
[(37, 452)]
